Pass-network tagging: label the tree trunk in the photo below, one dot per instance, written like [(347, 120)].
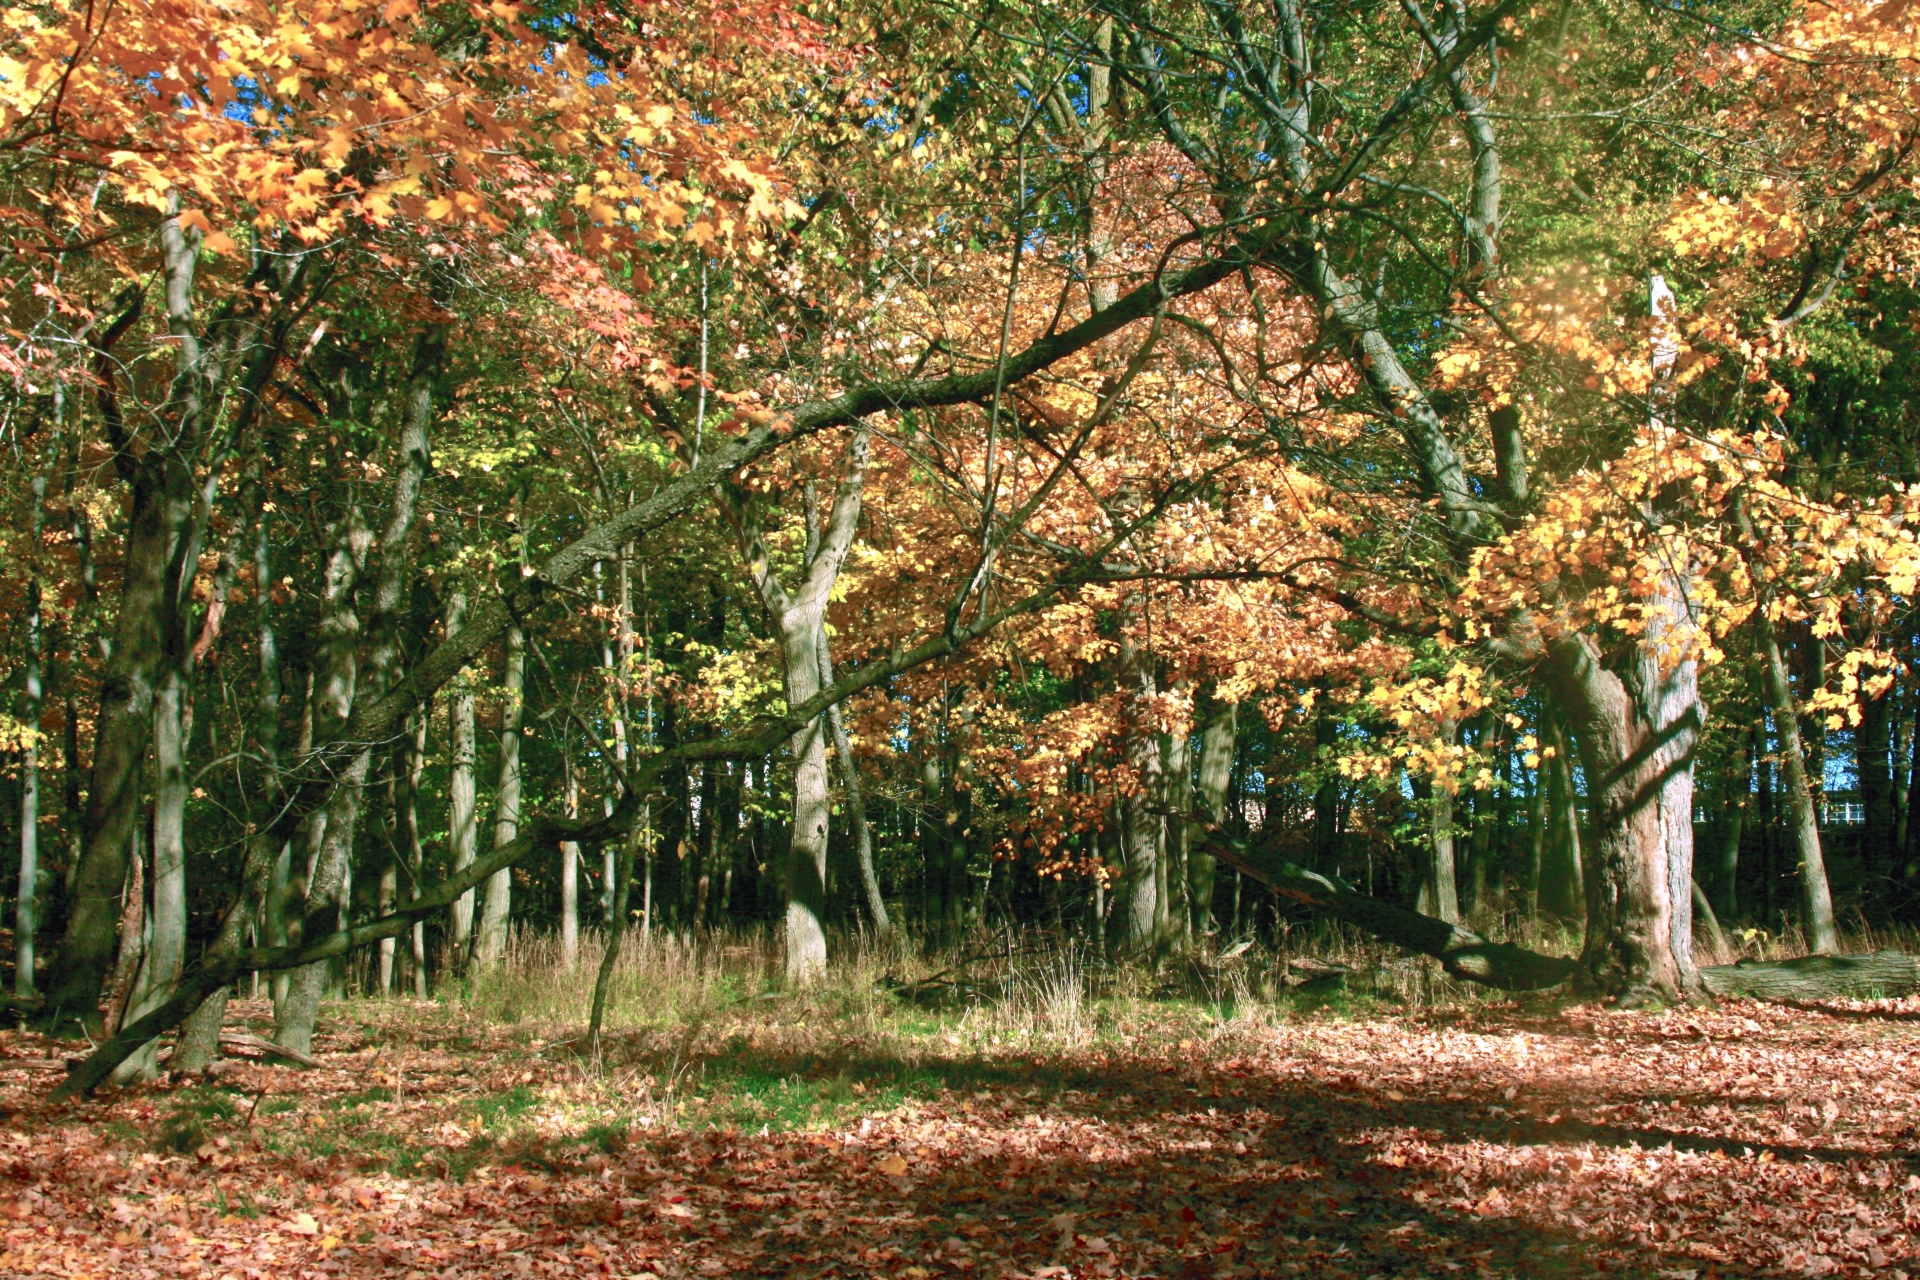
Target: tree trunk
[(1874, 746), (167, 935), (856, 806), (1816, 898), (25, 916), (1733, 822), (506, 823), (798, 619), (1173, 932), (416, 860), (1884, 975), (461, 831), (1629, 944), (1669, 692), (1216, 768), (570, 858), (1326, 801), (1439, 888), (1142, 876)]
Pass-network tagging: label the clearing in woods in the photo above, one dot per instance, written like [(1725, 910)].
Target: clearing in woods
[(1046, 1133)]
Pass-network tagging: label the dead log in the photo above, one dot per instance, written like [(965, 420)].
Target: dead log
[(1460, 951), (1882, 975)]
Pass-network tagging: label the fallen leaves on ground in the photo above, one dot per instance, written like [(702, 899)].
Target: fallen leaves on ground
[(1745, 1141)]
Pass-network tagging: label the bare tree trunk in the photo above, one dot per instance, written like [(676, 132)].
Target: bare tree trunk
[(570, 856), (1143, 874), (1733, 820), (199, 1041), (167, 925), (1874, 744), (1670, 692), (461, 831), (25, 916), (1174, 935), (416, 861), (506, 823), (1440, 888), (1629, 945), (798, 620), (131, 934), (1216, 768), (1816, 898), (856, 804)]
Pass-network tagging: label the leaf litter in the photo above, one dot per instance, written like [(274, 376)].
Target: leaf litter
[(1745, 1141)]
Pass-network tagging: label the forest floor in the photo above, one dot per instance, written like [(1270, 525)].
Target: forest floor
[(852, 1133)]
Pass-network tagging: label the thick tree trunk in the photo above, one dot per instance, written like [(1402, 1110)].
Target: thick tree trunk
[(1629, 944), (122, 726), (506, 822), (1669, 691), (167, 936), (1216, 768)]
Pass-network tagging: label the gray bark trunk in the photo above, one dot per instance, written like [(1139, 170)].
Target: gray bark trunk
[(506, 822), (462, 834), (1143, 876), (799, 620), (1216, 769), (856, 806), (1629, 944), (1816, 898)]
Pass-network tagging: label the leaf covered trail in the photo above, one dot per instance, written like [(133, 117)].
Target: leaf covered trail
[(1745, 1141)]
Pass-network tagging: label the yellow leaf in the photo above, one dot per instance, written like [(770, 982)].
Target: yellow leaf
[(893, 1167), (302, 1224), (439, 208)]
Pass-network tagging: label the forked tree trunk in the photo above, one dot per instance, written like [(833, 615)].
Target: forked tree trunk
[(799, 624), (1629, 946)]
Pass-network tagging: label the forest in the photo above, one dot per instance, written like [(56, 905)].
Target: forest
[(1040, 638)]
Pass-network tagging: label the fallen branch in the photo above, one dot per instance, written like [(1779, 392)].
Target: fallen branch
[(1461, 952), (266, 1048)]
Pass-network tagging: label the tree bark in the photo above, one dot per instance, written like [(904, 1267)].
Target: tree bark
[(1874, 747), (1143, 877), (856, 806), (1888, 975), (1816, 898), (1216, 768), (462, 835), (506, 823), (799, 625), (1629, 945)]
